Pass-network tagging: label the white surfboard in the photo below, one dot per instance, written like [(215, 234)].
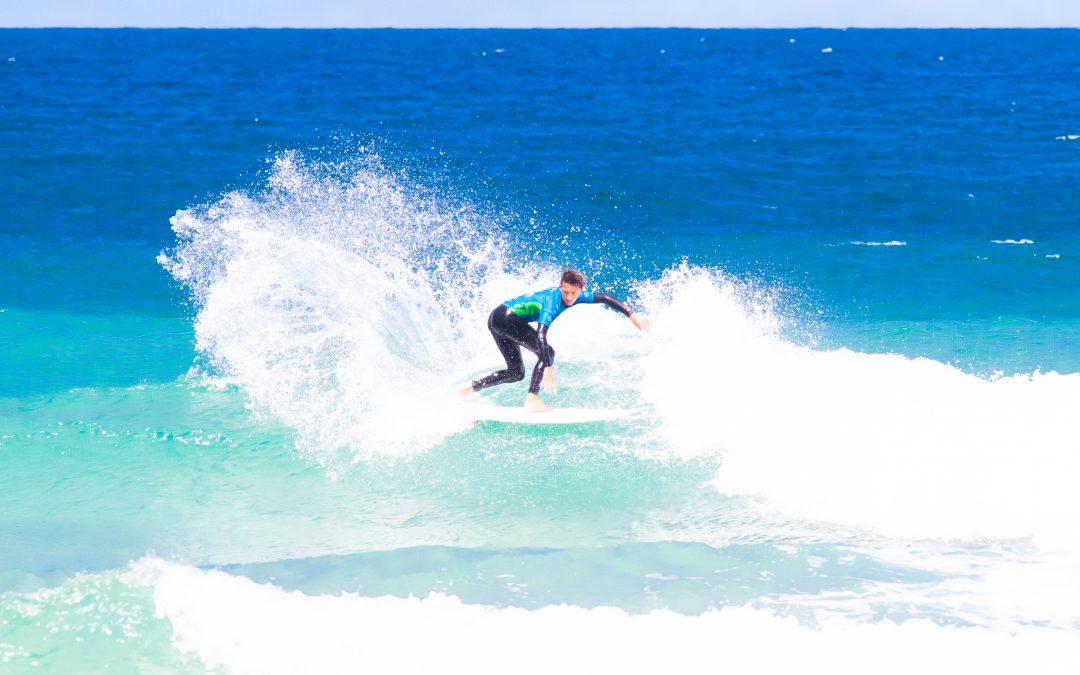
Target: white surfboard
[(520, 415)]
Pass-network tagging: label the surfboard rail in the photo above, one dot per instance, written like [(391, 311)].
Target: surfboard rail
[(521, 415)]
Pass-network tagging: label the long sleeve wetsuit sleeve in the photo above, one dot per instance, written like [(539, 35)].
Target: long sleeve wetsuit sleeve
[(546, 353), (613, 303)]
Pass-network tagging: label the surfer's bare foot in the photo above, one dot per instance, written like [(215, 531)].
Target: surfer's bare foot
[(465, 391), (533, 403)]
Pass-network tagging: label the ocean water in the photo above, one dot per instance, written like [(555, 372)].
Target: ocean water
[(243, 272)]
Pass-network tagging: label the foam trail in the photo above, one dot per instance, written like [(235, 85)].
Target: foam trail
[(906, 447), (344, 302), (244, 627), (1010, 589)]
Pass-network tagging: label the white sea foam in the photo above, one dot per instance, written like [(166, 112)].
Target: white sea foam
[(1014, 242), (878, 243), (1068, 137), (244, 627), (906, 447)]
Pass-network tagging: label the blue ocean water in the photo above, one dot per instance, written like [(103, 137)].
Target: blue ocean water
[(244, 270)]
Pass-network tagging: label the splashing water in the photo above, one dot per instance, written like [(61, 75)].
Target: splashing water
[(340, 300)]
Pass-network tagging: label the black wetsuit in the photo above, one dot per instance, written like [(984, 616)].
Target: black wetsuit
[(509, 325)]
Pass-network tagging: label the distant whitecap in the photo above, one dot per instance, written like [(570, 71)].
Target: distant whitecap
[(1052, 256), (1012, 241), (827, 50), (499, 51), (878, 243), (1069, 137)]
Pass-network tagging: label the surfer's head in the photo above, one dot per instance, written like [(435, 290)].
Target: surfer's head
[(571, 285)]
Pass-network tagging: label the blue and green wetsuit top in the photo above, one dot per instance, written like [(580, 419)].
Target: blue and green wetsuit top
[(544, 306)]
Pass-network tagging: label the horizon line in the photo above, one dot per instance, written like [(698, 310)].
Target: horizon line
[(524, 28)]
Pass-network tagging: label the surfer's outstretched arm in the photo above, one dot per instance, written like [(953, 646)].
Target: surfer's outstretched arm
[(640, 322)]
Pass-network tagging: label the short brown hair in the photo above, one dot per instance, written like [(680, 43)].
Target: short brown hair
[(574, 278)]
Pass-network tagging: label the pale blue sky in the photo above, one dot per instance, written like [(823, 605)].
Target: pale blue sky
[(540, 13)]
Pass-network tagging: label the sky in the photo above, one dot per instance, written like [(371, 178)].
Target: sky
[(540, 13)]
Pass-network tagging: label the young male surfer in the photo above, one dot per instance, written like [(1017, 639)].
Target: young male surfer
[(509, 325)]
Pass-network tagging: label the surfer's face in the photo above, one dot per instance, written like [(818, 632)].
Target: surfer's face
[(570, 293)]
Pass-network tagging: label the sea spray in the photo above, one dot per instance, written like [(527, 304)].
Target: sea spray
[(343, 301)]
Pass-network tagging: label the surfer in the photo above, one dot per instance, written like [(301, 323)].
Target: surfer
[(509, 325)]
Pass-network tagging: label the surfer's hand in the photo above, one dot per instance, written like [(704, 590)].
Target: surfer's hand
[(641, 322), (548, 381)]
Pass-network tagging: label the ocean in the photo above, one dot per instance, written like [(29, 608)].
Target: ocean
[(243, 272)]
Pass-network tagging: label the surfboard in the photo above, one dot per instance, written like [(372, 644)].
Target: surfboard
[(520, 415)]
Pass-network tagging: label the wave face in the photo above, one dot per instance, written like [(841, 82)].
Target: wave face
[(348, 305)]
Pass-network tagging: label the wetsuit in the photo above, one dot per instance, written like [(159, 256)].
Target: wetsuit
[(509, 325)]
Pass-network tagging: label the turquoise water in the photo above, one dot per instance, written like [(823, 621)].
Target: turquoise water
[(244, 272)]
